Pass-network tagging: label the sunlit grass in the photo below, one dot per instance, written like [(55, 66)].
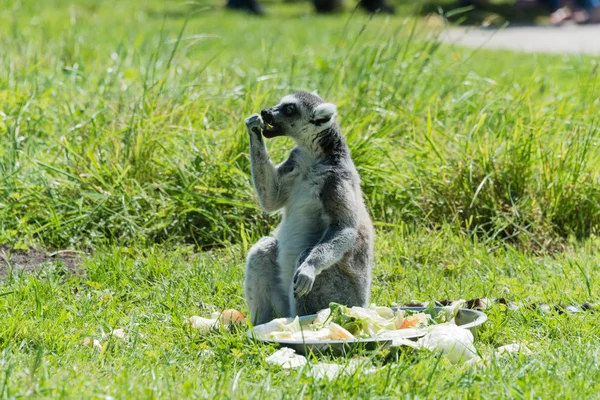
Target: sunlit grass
[(132, 131)]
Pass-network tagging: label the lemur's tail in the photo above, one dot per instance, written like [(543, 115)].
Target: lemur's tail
[(484, 304)]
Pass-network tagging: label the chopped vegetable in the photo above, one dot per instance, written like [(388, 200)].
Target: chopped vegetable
[(232, 316), (95, 343), (286, 358), (454, 342), (226, 318), (119, 333), (339, 322), (204, 325), (513, 348)]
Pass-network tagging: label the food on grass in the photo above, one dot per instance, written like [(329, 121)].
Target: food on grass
[(339, 322), (227, 318), (119, 333), (513, 348), (94, 343), (452, 341), (204, 325), (286, 358), (232, 316)]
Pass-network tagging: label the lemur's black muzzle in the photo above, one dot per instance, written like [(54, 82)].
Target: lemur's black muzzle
[(271, 129), (267, 116)]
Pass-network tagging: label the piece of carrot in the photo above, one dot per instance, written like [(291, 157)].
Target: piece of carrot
[(409, 322)]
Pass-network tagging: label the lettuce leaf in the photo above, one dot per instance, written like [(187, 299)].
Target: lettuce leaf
[(339, 316)]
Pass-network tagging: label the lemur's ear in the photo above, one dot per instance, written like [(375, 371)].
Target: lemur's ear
[(323, 113)]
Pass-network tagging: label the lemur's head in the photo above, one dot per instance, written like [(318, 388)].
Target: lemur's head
[(299, 115)]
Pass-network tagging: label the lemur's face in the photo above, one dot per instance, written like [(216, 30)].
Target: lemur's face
[(299, 115)]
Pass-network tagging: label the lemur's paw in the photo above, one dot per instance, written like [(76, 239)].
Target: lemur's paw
[(255, 124), (304, 279)]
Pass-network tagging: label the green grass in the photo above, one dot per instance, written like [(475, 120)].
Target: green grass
[(122, 135)]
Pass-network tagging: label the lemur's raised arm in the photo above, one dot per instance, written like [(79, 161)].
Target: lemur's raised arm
[(272, 190)]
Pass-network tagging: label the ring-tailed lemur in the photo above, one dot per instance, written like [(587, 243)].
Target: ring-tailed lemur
[(322, 251)]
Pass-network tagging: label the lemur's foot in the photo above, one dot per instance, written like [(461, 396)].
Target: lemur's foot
[(255, 124)]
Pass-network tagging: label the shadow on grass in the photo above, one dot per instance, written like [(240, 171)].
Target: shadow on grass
[(486, 14), (456, 11)]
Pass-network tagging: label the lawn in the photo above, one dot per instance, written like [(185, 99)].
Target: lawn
[(122, 139)]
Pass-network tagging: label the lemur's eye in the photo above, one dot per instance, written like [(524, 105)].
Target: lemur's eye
[(289, 109)]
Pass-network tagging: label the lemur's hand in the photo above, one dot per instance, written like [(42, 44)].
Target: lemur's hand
[(255, 124), (304, 279)]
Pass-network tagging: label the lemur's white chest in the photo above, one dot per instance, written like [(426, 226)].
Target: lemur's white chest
[(303, 223)]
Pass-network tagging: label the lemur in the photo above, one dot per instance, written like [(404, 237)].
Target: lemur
[(322, 251)]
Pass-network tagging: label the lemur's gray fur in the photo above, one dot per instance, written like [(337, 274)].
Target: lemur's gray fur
[(322, 251)]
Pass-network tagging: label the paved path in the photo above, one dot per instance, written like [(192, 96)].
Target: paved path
[(565, 39)]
